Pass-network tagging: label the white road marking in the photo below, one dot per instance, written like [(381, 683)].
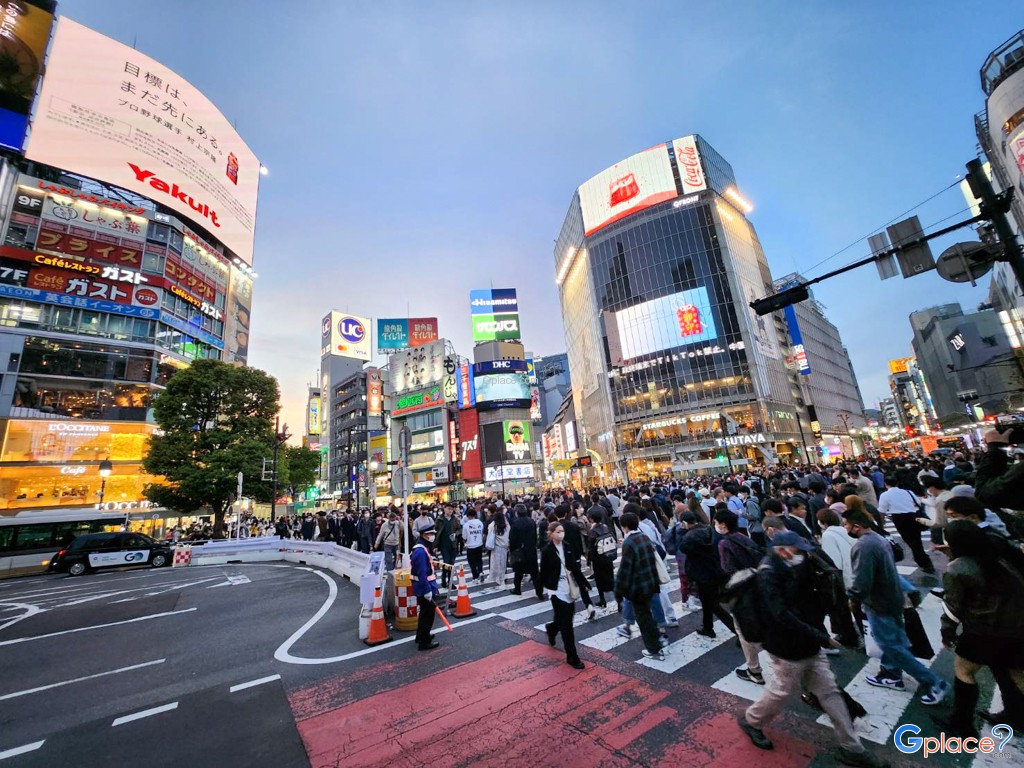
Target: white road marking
[(95, 626), (688, 649), (253, 683), (529, 610), (144, 713), (16, 694), (497, 602), (233, 581), (15, 751), (30, 610)]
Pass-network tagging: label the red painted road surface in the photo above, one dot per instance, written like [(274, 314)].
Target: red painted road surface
[(523, 706)]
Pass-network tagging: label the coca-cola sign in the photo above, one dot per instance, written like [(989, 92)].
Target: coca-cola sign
[(691, 170)]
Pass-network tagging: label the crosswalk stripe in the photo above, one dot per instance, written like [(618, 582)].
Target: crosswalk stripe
[(885, 707), (687, 649), (500, 601)]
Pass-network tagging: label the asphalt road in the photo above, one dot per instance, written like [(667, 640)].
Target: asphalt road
[(261, 665)]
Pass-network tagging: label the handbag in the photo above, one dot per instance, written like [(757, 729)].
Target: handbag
[(574, 590), (517, 558), (897, 550), (663, 577), (489, 545), (920, 645)]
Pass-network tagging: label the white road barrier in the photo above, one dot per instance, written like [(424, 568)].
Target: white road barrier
[(323, 554)]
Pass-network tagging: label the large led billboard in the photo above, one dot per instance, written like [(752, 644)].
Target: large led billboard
[(405, 332), (502, 390), (495, 314), (629, 186), (417, 368), (691, 169), (24, 32), (110, 112), (469, 446), (345, 335), (671, 321)]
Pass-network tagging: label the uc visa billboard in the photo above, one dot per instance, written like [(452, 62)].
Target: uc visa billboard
[(345, 335), (495, 314)]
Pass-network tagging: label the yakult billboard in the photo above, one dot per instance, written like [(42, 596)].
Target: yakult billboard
[(630, 186), (109, 112)]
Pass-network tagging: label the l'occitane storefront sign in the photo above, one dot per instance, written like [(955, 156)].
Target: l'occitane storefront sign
[(39, 440)]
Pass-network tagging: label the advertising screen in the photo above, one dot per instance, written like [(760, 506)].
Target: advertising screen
[(499, 366), (110, 112), (671, 321), (691, 169), (345, 336), (502, 390), (496, 327), (417, 368), (374, 392), (570, 437), (630, 186), (313, 416), (405, 332), (799, 352), (469, 446), (900, 365), (516, 435), (493, 301), (24, 32)]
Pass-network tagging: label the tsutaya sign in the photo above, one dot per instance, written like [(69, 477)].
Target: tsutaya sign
[(755, 439)]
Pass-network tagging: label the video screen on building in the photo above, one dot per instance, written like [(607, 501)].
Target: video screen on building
[(671, 321), (629, 186), (503, 390), (110, 112)]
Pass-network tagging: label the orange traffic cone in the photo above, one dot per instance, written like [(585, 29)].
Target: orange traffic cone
[(378, 627), (462, 606)]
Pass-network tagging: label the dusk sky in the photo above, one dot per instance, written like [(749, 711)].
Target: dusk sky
[(418, 150)]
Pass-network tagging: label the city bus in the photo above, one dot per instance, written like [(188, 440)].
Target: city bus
[(30, 539)]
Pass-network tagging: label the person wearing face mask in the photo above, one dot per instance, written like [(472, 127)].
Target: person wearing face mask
[(424, 586), (792, 641), (556, 573), (877, 585)]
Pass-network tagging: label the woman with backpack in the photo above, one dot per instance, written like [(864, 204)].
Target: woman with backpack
[(985, 598), (601, 553)]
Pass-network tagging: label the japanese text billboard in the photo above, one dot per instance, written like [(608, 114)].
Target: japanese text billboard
[(107, 111), (495, 314), (24, 32), (671, 321), (469, 446), (345, 335), (417, 368), (405, 332), (629, 186)]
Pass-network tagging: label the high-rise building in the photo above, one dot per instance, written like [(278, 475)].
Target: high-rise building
[(1000, 130), (821, 370), (915, 412), (967, 362), (123, 260), (553, 384), (656, 263)]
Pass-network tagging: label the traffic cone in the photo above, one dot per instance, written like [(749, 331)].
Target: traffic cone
[(378, 627), (462, 607)]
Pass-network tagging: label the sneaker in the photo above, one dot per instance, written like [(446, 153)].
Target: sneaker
[(829, 651), (692, 604), (709, 634), (862, 759), (659, 654), (885, 682), (672, 623), (756, 734), (744, 673), (663, 642), (624, 630), (937, 693), (591, 613)]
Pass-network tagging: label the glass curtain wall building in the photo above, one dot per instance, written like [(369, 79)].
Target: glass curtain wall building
[(671, 370)]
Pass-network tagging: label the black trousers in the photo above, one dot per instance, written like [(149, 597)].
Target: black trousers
[(562, 624), (604, 576), (529, 567), (475, 558), (709, 593), (648, 626), (910, 531), (424, 621)]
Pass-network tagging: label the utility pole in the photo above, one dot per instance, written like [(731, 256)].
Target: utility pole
[(994, 207), (725, 444), (279, 438)]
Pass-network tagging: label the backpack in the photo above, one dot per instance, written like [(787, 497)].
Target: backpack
[(741, 597), (671, 539), (607, 547), (826, 582)]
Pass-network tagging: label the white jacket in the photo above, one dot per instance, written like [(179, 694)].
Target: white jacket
[(837, 545)]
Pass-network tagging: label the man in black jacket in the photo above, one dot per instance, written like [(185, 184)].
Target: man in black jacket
[(703, 567), (522, 551), (793, 642)]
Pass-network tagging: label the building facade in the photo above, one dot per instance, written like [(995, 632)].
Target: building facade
[(108, 285), (656, 264), (912, 400), (553, 384)]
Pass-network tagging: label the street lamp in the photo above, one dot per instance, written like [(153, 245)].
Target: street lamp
[(105, 469)]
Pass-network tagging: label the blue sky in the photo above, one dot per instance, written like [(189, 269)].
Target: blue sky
[(418, 150)]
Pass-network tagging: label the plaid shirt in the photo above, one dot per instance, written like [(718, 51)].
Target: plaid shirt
[(637, 578)]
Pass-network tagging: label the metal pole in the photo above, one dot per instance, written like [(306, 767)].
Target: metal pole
[(990, 208), (103, 490), (238, 514), (721, 427), (277, 446)]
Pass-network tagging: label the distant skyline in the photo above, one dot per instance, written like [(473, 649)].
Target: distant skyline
[(419, 150)]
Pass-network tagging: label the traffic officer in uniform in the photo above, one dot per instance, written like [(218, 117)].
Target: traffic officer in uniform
[(424, 586)]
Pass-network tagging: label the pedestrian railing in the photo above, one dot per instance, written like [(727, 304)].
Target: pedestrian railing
[(322, 554)]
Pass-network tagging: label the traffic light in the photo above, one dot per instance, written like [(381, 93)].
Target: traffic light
[(780, 300), (721, 458)]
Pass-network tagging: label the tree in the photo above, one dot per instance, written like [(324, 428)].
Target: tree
[(303, 465), (216, 421)]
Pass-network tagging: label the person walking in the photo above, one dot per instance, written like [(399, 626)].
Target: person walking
[(522, 547), (877, 585), (793, 641), (447, 525), (602, 550), (737, 552), (637, 581), (704, 568), (366, 532), (838, 545), (556, 576), (424, 586), (905, 509), (388, 539), (473, 534), (500, 546)]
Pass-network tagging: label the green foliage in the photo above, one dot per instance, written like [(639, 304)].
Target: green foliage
[(302, 466), (217, 421)]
